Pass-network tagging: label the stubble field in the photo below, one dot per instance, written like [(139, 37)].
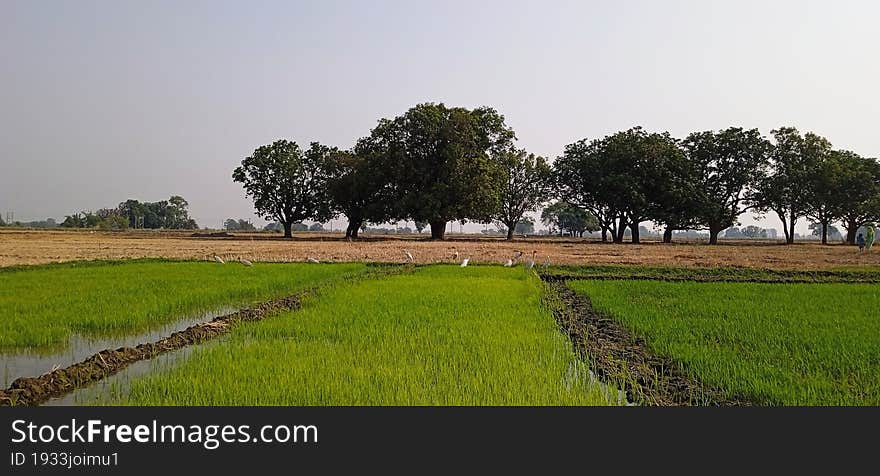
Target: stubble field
[(23, 247)]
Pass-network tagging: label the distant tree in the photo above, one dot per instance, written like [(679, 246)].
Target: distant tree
[(420, 225), (316, 227), (828, 232), (730, 165), (287, 184), (299, 226), (525, 227), (274, 226), (2, 223), (171, 213), (231, 224), (786, 189), (439, 160), (753, 231), (526, 186), (565, 217), (732, 232)]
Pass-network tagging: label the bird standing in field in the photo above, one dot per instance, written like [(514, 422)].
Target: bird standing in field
[(546, 263), (409, 256), (313, 260), (218, 259), (245, 262), (515, 260), (531, 262), (465, 262), (509, 263)]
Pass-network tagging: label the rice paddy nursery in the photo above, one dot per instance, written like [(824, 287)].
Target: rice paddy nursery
[(41, 307), (440, 336)]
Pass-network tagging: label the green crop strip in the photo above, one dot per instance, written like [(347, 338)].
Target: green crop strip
[(41, 307), (440, 336), (788, 344)]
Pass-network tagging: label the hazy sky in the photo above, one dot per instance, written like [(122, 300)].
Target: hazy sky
[(102, 101)]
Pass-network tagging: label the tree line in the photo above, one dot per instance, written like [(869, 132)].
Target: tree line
[(169, 214), (435, 164)]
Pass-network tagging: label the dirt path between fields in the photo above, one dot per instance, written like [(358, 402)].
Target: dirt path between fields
[(624, 360)]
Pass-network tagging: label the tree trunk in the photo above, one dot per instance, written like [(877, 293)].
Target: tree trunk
[(510, 230), (788, 238), (438, 230), (634, 231), (791, 228), (353, 227), (714, 231), (667, 235), (604, 234), (287, 232), (825, 232), (852, 228)]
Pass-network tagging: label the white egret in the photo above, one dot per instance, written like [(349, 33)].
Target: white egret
[(465, 262), (531, 262), (409, 256), (245, 262), (313, 260), (218, 259)]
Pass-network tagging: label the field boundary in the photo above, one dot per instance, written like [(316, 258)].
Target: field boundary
[(622, 359), (695, 275)]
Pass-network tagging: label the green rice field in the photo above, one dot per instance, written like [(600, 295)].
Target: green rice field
[(42, 306), (776, 344), (440, 336)]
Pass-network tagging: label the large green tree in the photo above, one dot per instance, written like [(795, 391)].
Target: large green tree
[(527, 184), (440, 162), (287, 184), (729, 165), (859, 184), (360, 188), (621, 179), (786, 189)]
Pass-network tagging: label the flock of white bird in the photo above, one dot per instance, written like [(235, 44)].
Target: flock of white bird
[(511, 262)]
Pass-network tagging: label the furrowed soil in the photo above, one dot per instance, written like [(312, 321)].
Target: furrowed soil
[(27, 247)]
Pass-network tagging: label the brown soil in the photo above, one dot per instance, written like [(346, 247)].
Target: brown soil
[(36, 390), (23, 247), (624, 360)]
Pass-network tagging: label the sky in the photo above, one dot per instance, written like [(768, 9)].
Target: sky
[(105, 101)]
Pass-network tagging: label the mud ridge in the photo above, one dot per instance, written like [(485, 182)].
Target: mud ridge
[(825, 278), (36, 390), (622, 359)]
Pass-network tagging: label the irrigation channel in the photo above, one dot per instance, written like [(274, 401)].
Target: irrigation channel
[(59, 382), (79, 347)]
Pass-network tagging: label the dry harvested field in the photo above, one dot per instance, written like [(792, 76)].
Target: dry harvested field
[(23, 247)]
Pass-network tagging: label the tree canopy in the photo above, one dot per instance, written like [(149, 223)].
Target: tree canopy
[(439, 161), (287, 184)]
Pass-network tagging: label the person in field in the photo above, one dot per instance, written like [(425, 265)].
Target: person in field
[(869, 240), (860, 240)]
